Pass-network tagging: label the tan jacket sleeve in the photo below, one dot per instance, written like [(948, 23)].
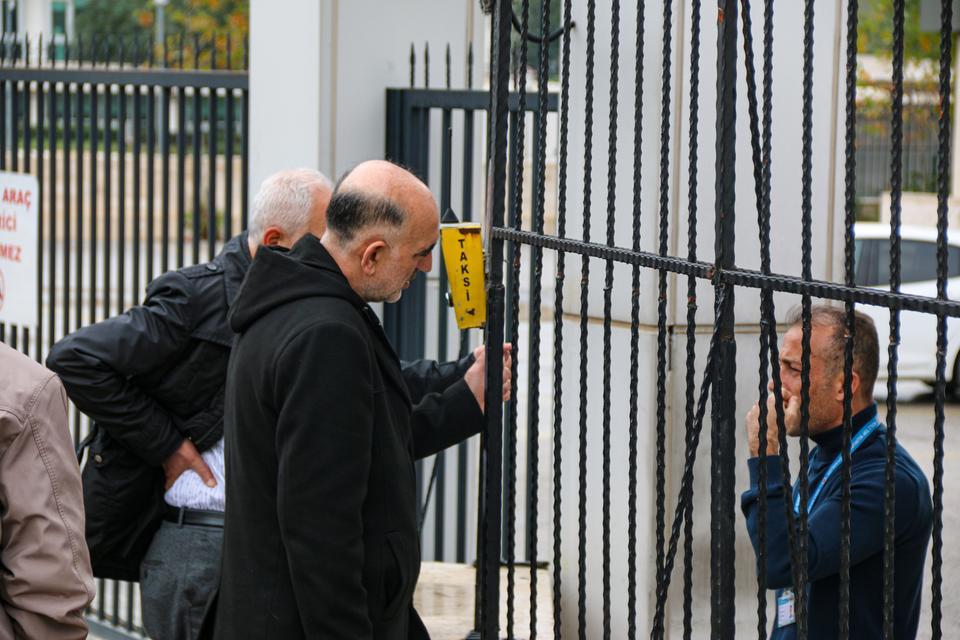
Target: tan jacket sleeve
[(46, 580)]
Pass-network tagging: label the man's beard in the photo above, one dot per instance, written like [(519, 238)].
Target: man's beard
[(378, 294)]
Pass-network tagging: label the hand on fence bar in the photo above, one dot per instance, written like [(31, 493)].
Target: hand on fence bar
[(476, 375)]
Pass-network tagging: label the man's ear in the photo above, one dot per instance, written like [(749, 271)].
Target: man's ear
[(272, 236), (373, 255), (854, 385)]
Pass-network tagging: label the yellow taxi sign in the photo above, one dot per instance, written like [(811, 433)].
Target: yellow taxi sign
[(463, 256)]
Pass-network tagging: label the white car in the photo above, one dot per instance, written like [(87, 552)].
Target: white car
[(918, 271)]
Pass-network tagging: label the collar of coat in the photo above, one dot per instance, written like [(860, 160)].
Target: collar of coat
[(278, 276)]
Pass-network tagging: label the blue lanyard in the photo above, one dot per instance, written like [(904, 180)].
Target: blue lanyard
[(865, 432)]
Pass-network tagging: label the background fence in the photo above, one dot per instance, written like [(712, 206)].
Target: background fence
[(141, 157), (919, 145)]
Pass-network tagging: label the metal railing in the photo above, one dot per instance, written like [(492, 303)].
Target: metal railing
[(506, 234), (440, 134), (140, 168)]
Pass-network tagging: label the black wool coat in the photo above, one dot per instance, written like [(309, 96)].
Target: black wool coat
[(321, 535)]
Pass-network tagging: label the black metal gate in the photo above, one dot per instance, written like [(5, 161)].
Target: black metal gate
[(140, 152), (506, 235), (422, 124)]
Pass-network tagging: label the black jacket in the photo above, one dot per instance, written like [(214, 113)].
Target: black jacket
[(321, 533), (151, 377)]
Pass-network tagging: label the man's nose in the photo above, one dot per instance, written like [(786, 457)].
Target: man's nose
[(426, 263)]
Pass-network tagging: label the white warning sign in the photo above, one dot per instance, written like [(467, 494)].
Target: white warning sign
[(18, 248)]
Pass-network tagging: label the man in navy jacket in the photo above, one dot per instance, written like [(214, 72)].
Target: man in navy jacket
[(912, 517)]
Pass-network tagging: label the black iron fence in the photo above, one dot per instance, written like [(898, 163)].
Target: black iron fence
[(141, 169), (440, 134), (571, 555)]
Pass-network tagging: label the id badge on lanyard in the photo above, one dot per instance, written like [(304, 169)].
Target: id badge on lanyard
[(786, 613)]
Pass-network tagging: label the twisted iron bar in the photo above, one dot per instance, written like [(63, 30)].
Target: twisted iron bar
[(806, 310), (533, 422), (761, 190), (723, 418), (943, 192), (492, 467), (634, 331), (766, 297), (608, 300), (664, 213), (691, 300), (896, 192), (584, 302), (515, 319), (558, 323), (850, 186)]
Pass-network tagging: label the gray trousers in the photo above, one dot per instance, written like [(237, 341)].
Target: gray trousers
[(177, 577)]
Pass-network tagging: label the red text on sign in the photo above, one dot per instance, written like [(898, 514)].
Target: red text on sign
[(10, 252), (17, 197)]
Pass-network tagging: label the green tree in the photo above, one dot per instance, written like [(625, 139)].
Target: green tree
[(210, 20)]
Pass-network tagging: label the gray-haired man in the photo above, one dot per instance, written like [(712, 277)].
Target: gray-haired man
[(152, 380)]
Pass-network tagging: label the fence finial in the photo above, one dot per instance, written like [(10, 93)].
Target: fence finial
[(426, 65), (447, 65), (470, 65), (413, 65)]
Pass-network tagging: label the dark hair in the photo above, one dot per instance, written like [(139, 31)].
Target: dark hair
[(351, 211), (866, 348)]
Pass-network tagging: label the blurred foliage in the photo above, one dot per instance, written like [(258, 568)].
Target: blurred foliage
[(920, 107), (116, 17), (875, 31), (211, 24)]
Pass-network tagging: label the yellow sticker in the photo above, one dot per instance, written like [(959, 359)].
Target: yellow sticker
[(463, 256)]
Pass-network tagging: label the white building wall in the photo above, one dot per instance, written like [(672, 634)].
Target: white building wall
[(319, 70), (289, 64), (36, 18)]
